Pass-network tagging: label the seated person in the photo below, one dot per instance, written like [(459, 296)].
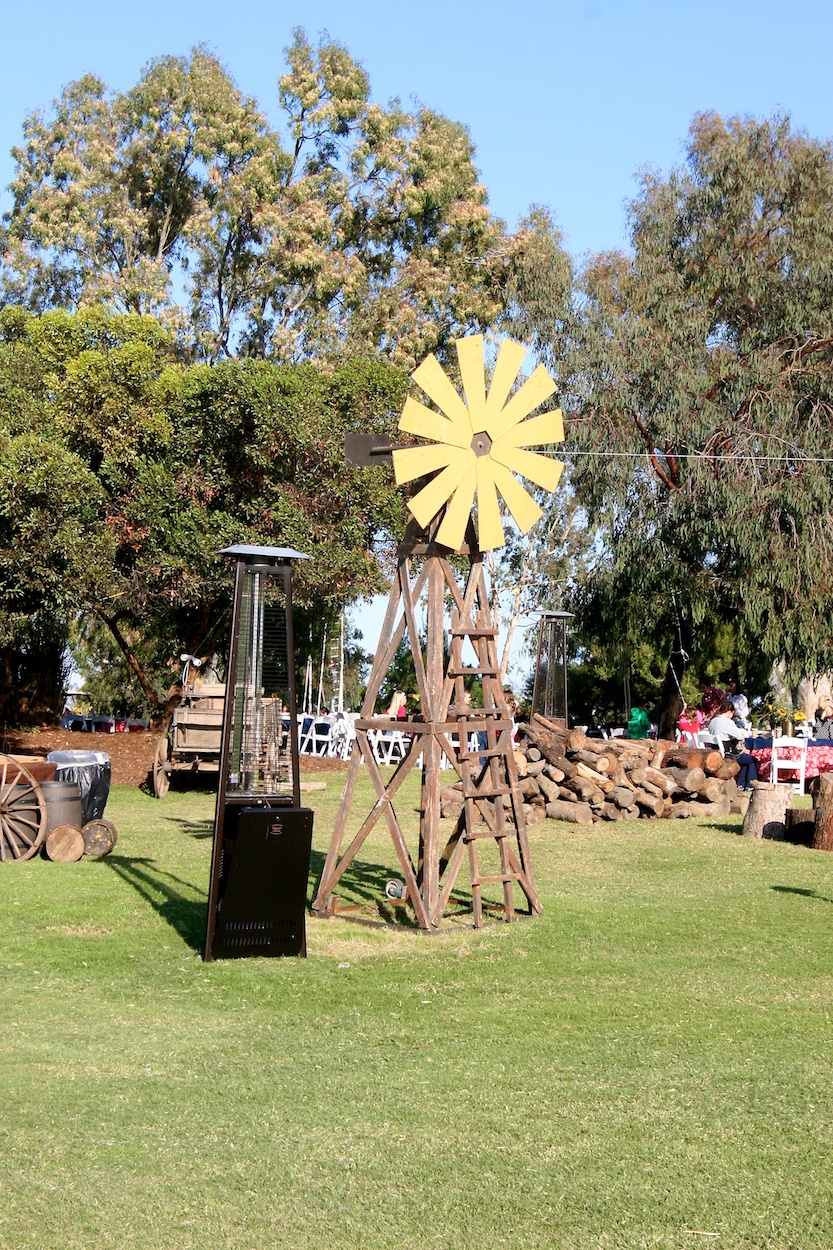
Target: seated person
[(823, 724), (691, 719), (398, 709), (724, 728)]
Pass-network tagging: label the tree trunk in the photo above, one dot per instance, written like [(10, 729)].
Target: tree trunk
[(670, 703), (823, 835)]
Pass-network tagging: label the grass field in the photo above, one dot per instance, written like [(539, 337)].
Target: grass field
[(648, 1064)]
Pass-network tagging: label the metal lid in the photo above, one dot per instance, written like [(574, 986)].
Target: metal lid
[(243, 551)]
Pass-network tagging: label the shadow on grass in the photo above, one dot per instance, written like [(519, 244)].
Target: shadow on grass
[(794, 889), (199, 829), (364, 883), (159, 888)]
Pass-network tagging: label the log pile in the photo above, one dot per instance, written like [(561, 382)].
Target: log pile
[(565, 775)]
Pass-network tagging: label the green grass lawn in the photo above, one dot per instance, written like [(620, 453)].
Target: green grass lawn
[(645, 1065)]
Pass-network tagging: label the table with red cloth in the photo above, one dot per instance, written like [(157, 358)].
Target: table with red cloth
[(819, 756)]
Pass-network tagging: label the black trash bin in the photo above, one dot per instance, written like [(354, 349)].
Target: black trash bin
[(90, 770)]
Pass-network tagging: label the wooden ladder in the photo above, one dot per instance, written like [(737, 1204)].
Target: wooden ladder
[(488, 771)]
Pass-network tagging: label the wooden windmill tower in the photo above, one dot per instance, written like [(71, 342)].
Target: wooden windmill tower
[(479, 442)]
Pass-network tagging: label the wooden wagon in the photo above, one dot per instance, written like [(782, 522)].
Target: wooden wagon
[(22, 806), (192, 743)]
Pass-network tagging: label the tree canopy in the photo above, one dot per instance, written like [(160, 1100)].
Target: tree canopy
[(702, 396), (353, 228), (124, 473)]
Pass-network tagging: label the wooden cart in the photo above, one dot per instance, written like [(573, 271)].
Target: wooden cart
[(192, 743), (22, 807)]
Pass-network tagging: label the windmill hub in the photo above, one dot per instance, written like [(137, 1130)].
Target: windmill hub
[(481, 444)]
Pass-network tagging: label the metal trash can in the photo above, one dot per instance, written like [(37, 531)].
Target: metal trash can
[(90, 770)]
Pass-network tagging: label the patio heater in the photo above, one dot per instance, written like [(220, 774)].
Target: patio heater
[(549, 693), (262, 835)]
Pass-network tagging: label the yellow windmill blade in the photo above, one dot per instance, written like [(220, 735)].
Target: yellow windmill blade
[(547, 427), (452, 531), (539, 469), (413, 462), (426, 503), (479, 442)]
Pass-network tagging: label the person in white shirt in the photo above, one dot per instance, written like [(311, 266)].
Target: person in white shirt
[(740, 704), (723, 726)]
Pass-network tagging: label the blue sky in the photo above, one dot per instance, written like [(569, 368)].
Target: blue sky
[(565, 102)]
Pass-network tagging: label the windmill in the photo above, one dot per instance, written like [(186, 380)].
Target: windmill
[(478, 441)]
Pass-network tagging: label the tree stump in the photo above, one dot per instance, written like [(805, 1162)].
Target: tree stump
[(823, 835), (766, 815), (801, 825)]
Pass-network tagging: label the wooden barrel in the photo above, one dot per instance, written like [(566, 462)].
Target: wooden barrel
[(64, 844), (63, 804)]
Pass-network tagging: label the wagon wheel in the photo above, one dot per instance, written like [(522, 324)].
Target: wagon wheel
[(161, 776), (22, 812)]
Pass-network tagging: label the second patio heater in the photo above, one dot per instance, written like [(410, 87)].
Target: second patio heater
[(262, 835), (549, 693)]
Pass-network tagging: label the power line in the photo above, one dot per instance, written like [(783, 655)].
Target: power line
[(696, 455)]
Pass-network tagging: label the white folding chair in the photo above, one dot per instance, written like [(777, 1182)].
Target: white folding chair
[(388, 745), (782, 762), (705, 739), (316, 737)]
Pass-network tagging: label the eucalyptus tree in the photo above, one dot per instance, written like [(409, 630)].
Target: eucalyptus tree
[(350, 228), (702, 390)]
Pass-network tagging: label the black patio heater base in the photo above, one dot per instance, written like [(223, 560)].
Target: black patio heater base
[(264, 866)]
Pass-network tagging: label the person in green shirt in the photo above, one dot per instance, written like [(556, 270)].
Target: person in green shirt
[(639, 723)]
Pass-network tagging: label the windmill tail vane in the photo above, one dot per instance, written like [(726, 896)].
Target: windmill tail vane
[(479, 442)]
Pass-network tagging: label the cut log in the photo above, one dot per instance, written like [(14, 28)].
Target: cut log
[(599, 762), (567, 795), (521, 763), (622, 796), (711, 790), (728, 770), (690, 779), (584, 770), (583, 787), (685, 756), (801, 825), (547, 787), (661, 778), (713, 762), (701, 810), (823, 833), (64, 845), (576, 739), (620, 778), (766, 814), (579, 813), (528, 786), (99, 837), (553, 752), (650, 803)]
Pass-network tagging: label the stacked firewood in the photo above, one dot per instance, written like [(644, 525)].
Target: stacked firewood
[(565, 775)]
